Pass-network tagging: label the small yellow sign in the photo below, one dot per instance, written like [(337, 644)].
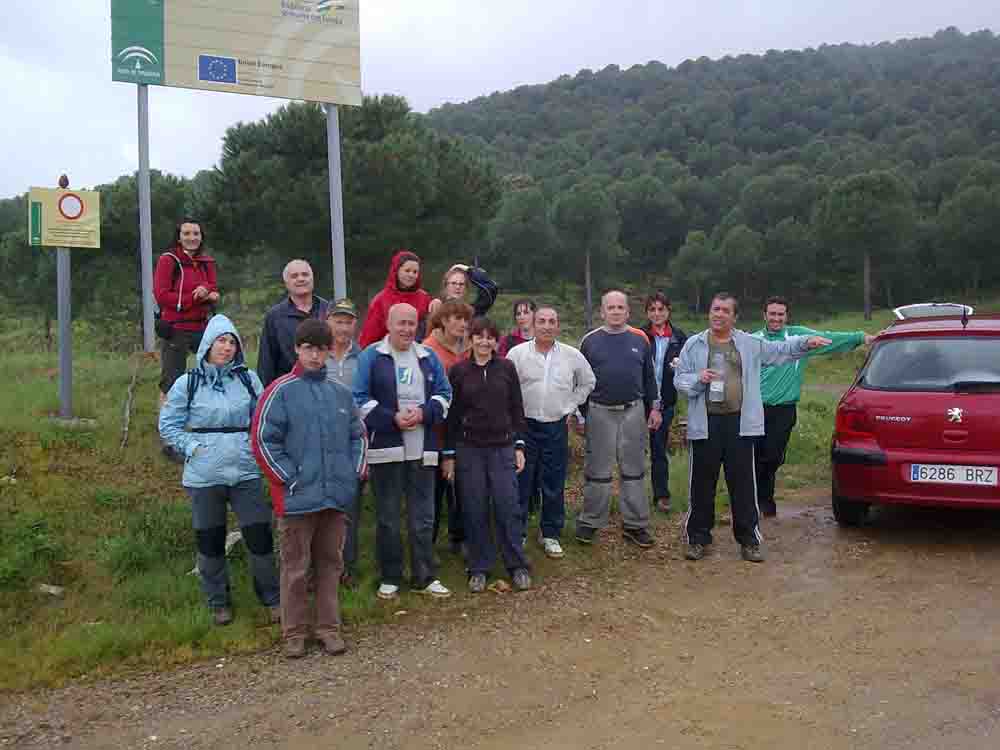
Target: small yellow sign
[(64, 218)]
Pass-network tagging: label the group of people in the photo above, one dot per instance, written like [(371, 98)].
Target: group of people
[(460, 424)]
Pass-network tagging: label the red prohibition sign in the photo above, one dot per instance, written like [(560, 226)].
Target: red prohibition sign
[(70, 206)]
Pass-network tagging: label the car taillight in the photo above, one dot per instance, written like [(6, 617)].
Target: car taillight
[(853, 423)]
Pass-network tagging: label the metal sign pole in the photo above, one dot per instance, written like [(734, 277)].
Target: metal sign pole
[(65, 333), (336, 201), (145, 221)]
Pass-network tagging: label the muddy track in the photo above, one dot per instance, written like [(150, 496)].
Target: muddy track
[(884, 637)]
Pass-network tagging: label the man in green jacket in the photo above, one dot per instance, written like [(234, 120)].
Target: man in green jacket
[(780, 388)]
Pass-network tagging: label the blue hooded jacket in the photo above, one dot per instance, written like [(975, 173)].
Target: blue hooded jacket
[(220, 401)]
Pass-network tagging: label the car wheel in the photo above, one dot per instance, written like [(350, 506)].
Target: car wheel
[(849, 512)]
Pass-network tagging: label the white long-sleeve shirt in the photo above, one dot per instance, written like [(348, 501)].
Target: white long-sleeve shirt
[(553, 385)]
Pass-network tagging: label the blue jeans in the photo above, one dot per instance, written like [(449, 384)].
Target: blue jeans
[(546, 453), (658, 458), (391, 483)]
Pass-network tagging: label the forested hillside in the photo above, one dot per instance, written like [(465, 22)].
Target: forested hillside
[(789, 172), (778, 172)]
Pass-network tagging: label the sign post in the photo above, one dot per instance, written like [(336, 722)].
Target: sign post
[(64, 218), (145, 220), (65, 314), (292, 49), (336, 202)]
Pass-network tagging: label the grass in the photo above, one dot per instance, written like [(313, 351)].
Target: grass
[(113, 526)]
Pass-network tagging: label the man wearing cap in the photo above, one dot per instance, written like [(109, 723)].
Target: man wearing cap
[(277, 339), (342, 318)]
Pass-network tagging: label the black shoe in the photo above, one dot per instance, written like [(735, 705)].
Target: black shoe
[(695, 551), (639, 537), (585, 534), (752, 553), (769, 511)]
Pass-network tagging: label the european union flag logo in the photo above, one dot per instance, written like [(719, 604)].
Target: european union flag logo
[(216, 69)]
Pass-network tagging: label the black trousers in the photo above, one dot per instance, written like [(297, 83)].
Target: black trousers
[(779, 421), (724, 448)]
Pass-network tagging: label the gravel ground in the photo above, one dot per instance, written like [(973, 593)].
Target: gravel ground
[(883, 637)]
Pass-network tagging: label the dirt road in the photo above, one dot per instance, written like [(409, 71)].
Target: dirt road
[(885, 637)]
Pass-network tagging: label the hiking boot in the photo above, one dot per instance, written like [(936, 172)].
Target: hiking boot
[(332, 643), (436, 589), (521, 579), (222, 616), (639, 537), (585, 534), (477, 583), (274, 614), (752, 553), (295, 647), (387, 591), (552, 548), (695, 551)]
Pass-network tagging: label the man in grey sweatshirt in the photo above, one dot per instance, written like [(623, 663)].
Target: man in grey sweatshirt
[(719, 372)]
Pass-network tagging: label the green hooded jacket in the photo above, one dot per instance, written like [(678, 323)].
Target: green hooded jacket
[(782, 384)]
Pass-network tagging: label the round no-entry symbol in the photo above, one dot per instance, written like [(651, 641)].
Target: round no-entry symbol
[(71, 206)]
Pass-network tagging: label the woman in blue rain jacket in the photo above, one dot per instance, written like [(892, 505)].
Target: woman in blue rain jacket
[(206, 419)]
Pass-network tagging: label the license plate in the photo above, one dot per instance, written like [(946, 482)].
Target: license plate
[(951, 474)]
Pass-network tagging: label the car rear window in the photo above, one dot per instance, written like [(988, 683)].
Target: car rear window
[(934, 364)]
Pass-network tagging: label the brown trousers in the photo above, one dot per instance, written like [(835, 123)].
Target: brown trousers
[(311, 540)]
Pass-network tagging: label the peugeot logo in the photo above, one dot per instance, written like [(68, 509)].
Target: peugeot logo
[(955, 415)]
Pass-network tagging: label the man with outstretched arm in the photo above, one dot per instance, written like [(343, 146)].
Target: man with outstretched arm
[(781, 388), (719, 372)]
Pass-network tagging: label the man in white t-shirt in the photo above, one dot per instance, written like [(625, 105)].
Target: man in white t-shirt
[(402, 391)]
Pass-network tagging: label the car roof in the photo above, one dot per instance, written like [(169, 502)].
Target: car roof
[(945, 324)]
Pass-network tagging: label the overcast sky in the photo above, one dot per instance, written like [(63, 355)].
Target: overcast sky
[(62, 112)]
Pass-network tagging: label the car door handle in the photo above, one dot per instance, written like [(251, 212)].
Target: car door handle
[(955, 436)]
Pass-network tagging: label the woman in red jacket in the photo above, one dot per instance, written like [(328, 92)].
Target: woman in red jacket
[(184, 285), (401, 285)]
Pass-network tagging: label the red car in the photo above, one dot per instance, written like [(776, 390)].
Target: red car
[(921, 423)]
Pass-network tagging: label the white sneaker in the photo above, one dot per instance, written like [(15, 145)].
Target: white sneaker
[(436, 589), (552, 548), (387, 591)]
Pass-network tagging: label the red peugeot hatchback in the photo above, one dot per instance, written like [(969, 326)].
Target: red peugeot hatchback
[(921, 423)]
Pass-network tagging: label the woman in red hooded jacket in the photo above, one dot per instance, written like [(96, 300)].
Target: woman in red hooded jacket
[(401, 285)]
